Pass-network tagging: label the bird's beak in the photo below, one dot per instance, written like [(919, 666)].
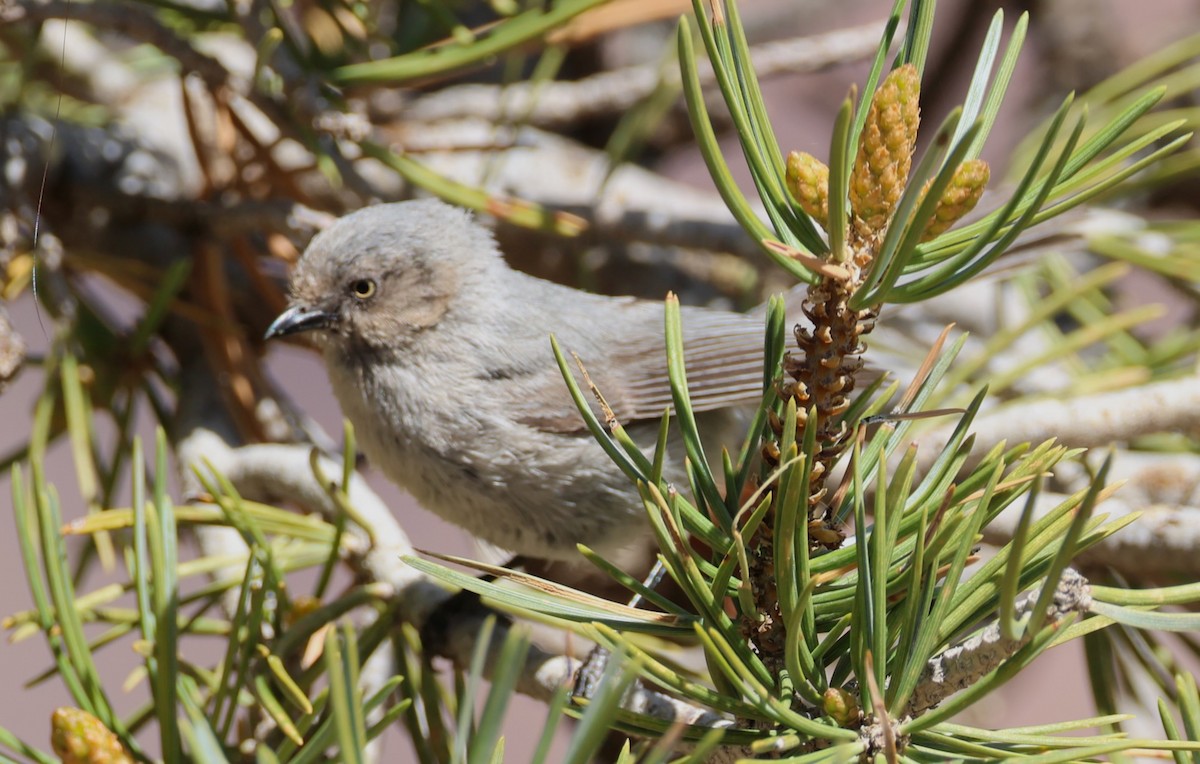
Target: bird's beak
[(299, 318)]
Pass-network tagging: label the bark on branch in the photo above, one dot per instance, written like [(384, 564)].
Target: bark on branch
[(559, 104), (963, 665)]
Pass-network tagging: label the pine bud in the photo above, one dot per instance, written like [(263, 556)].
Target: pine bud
[(841, 706), (80, 738), (959, 198), (808, 180), (885, 151)]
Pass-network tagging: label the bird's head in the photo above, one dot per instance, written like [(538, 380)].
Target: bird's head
[(378, 278)]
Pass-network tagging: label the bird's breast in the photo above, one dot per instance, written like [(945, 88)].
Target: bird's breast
[(535, 493)]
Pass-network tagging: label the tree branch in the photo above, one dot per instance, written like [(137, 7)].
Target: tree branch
[(559, 104), (1162, 542), (626, 203), (965, 664), (1085, 420)]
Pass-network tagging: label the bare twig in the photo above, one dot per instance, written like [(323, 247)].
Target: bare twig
[(1162, 542), (628, 204), (556, 104), (1086, 420), (965, 664)]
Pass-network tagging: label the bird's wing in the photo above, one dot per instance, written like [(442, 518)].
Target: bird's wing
[(723, 358)]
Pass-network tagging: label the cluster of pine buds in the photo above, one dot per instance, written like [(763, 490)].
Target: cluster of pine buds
[(822, 375), (881, 169)]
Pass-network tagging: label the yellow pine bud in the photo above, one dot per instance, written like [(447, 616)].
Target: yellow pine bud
[(80, 738), (808, 180), (302, 606), (885, 150), (841, 706), (959, 198)]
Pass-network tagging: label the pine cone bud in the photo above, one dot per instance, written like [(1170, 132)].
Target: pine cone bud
[(885, 151), (302, 606), (808, 180), (841, 706), (80, 738), (959, 198)]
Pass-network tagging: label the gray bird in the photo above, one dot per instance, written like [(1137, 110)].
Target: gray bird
[(440, 356)]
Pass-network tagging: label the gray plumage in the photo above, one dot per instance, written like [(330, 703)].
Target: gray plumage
[(439, 354)]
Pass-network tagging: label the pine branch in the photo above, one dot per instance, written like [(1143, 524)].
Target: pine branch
[(964, 664), (561, 103)]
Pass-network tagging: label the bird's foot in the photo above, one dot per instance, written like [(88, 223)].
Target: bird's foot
[(437, 631)]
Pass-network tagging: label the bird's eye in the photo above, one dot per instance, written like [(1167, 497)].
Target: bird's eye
[(363, 289)]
